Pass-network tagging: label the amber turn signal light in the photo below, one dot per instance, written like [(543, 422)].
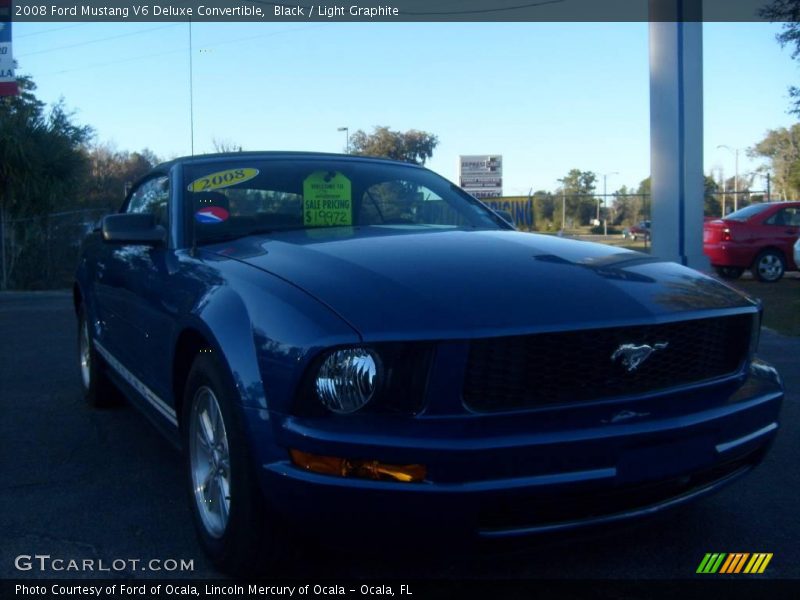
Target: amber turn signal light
[(365, 469)]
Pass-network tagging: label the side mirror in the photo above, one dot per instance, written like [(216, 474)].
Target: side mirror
[(133, 228), (506, 216)]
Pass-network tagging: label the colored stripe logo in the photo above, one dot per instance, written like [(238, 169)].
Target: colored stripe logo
[(735, 562), (211, 214)]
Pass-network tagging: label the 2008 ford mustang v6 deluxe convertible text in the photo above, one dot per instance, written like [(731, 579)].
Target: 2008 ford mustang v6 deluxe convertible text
[(346, 342)]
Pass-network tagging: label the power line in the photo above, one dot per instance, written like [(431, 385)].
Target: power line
[(175, 51), (112, 63), (483, 10), (105, 39), (262, 35), (26, 35)]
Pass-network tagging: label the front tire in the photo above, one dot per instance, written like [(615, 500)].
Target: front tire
[(769, 266), (230, 514), (97, 387)]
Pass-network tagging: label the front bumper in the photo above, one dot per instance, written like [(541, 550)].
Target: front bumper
[(503, 476)]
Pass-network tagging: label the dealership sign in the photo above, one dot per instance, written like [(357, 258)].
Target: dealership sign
[(481, 175), (8, 82), (520, 208)]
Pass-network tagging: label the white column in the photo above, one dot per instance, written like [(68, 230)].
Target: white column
[(676, 132)]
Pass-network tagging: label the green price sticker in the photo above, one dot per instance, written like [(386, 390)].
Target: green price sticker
[(327, 200)]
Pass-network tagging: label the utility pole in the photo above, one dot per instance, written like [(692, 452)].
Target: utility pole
[(768, 188), (530, 208), (605, 209), (736, 182), (597, 218), (346, 138), (735, 176), (563, 210)]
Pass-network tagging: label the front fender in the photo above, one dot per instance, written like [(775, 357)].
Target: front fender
[(266, 331)]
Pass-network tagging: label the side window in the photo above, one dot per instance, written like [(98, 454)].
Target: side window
[(792, 217), (151, 198), (785, 217)]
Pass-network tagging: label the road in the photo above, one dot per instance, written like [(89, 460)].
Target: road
[(87, 484)]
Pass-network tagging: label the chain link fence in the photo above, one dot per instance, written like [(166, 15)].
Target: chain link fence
[(41, 252)]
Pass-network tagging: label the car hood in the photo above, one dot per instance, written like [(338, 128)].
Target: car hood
[(412, 283)]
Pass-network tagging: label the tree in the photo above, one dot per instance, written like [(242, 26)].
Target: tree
[(41, 164), (411, 146), (623, 205), (579, 182), (40, 153), (787, 12), (644, 187), (643, 200), (630, 205), (544, 208), (782, 148), (578, 187), (711, 204), (224, 145), (111, 173)]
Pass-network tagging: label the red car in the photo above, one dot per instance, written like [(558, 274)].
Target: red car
[(758, 237), (640, 230)]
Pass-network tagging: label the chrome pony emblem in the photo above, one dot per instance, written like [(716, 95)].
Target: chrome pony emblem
[(633, 356)]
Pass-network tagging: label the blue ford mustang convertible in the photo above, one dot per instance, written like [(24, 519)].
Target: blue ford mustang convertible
[(340, 343)]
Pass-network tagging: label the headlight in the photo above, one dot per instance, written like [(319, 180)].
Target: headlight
[(347, 379)]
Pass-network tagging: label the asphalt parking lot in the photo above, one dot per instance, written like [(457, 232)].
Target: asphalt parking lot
[(84, 484)]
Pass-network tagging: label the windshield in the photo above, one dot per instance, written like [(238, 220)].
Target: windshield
[(745, 213), (234, 198)]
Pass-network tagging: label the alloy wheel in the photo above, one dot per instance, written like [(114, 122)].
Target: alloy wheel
[(85, 351), (210, 462), (770, 267)]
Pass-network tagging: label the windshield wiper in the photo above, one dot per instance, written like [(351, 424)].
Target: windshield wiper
[(226, 237)]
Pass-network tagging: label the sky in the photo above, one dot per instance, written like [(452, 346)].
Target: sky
[(549, 97)]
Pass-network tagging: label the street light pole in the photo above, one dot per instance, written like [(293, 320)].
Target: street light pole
[(736, 183), (346, 137), (735, 175), (605, 220), (530, 207)]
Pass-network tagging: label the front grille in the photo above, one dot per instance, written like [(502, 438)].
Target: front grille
[(531, 510), (550, 368)]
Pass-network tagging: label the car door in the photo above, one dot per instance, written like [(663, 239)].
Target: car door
[(141, 276), (113, 297), (782, 229)]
